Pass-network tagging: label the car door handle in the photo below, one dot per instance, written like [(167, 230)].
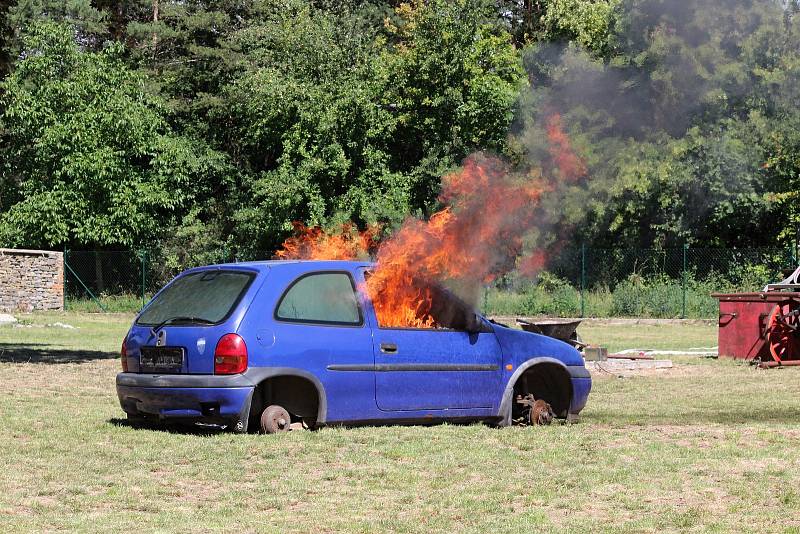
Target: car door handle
[(388, 348)]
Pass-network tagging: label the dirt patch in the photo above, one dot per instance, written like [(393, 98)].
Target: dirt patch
[(511, 320), (196, 491), (677, 370)]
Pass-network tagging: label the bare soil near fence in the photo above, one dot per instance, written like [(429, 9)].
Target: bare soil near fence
[(708, 446)]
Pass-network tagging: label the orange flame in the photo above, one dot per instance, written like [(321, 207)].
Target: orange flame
[(316, 244), (476, 238), (563, 156), (533, 263)]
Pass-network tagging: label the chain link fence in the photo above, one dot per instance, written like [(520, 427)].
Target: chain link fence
[(578, 281), (621, 282), (123, 281), (106, 280)]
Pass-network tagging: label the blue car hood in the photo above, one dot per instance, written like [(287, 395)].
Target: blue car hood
[(519, 346)]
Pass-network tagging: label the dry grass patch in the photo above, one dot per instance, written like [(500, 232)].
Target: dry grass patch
[(707, 446)]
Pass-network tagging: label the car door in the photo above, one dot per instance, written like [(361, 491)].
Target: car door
[(319, 327), (435, 369)]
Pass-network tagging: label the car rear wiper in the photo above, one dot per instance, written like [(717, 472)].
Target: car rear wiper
[(179, 319)]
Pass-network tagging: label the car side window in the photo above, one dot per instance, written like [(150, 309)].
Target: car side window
[(437, 309), (325, 298), (447, 311)]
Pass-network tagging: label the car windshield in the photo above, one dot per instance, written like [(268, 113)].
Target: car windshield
[(206, 297)]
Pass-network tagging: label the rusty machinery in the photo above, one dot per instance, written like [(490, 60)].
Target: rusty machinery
[(763, 326)]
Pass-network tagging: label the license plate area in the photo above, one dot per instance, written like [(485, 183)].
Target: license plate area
[(161, 359)]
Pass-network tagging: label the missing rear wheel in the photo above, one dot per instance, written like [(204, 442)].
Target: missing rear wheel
[(275, 419)]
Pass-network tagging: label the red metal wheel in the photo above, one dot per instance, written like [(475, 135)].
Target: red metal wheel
[(782, 329)]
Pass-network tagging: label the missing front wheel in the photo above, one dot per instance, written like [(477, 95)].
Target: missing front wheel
[(532, 411)]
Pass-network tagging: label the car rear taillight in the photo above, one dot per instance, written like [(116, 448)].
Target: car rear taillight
[(123, 354), (230, 357)]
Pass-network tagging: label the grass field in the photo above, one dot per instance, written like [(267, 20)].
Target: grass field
[(707, 446)]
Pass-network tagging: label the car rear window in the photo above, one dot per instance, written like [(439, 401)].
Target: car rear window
[(208, 296)]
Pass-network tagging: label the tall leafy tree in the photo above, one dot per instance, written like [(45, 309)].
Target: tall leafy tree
[(5, 56), (337, 119), (676, 120), (88, 23), (586, 22), (90, 159), (324, 111), (452, 78), (305, 124)]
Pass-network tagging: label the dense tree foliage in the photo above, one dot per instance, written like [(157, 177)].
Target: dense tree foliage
[(684, 116), (89, 159), (206, 127), (5, 56)]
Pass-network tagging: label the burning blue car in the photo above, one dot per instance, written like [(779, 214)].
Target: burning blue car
[(264, 345)]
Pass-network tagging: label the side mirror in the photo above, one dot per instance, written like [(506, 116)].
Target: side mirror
[(474, 323)]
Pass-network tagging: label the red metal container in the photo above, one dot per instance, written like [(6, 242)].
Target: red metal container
[(758, 325)]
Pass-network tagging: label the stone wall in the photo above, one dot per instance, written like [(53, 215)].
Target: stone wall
[(31, 280)]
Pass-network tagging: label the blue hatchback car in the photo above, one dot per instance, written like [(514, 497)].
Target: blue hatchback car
[(262, 345)]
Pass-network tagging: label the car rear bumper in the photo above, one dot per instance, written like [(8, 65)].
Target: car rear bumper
[(202, 398), (183, 380)]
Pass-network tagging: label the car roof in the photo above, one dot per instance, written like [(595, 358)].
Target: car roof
[(293, 265)]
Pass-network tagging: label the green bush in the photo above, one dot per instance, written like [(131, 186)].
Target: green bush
[(663, 298), (126, 303), (597, 302), (657, 297), (628, 299), (699, 302), (751, 277), (564, 302), (549, 296), (636, 296)]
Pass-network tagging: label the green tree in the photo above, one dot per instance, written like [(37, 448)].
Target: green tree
[(88, 22), (5, 56), (684, 122), (588, 23), (305, 126), (452, 79), (90, 159), (334, 119)]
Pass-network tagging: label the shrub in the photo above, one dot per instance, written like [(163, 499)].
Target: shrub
[(564, 302), (628, 298), (662, 298)]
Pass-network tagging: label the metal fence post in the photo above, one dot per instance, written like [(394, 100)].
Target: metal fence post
[(143, 257), (583, 278), (794, 248), (85, 287), (683, 303)]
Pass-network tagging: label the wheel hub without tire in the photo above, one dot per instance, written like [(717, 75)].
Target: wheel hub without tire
[(275, 419)]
